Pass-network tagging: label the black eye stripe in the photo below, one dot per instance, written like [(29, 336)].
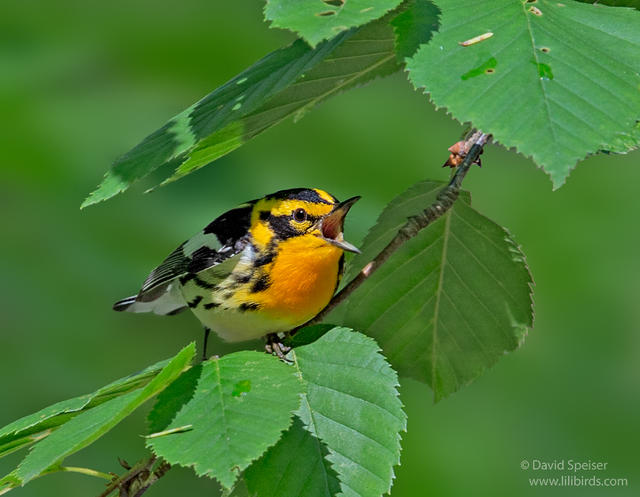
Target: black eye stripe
[(283, 226)]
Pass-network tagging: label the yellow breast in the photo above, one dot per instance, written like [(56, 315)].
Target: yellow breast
[(301, 280)]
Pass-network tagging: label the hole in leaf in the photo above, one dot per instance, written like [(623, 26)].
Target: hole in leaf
[(486, 67), (326, 13), (531, 1), (241, 388), (334, 3), (544, 70), (535, 11), (545, 49)]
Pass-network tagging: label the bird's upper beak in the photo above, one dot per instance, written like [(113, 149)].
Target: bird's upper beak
[(332, 225)]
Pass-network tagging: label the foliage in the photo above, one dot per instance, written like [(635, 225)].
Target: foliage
[(558, 81), (94, 422), (556, 86), (25, 431), (319, 20), (224, 413), (450, 302), (352, 405), (237, 406)]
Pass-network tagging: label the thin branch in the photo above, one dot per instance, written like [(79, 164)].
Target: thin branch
[(464, 154), (139, 478)]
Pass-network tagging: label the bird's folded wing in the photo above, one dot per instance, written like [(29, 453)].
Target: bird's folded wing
[(222, 239)]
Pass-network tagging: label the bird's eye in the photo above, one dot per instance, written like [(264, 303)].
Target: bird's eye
[(300, 215)]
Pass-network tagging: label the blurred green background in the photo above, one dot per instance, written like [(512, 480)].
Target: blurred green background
[(83, 81)]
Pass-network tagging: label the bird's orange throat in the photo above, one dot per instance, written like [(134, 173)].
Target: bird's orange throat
[(303, 277)]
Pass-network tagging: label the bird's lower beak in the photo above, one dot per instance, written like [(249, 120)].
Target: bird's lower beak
[(332, 225)]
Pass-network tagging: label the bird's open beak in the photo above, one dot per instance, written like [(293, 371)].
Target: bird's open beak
[(332, 225)]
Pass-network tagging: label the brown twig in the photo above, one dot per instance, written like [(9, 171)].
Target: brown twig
[(138, 479), (465, 154)]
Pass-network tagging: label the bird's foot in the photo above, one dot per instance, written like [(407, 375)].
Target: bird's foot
[(274, 346)]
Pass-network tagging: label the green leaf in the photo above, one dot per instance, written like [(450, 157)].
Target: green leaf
[(29, 429), (317, 20), (8, 482), (352, 406), (614, 3), (287, 82), (295, 467), (557, 80), (87, 427), (307, 335), (625, 142), (449, 302), (414, 27), (239, 407)]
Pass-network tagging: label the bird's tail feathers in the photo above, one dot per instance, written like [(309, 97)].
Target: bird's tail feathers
[(166, 303)]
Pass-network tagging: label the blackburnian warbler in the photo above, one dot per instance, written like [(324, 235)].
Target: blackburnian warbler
[(262, 268)]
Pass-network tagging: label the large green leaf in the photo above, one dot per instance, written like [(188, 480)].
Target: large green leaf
[(415, 26), (557, 80), (295, 467), (237, 407), (449, 302), (352, 406), (317, 20), (614, 3), (287, 82), (90, 425), (27, 430), (625, 142)]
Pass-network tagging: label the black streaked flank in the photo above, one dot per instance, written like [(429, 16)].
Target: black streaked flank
[(202, 283), (186, 278), (194, 303), (261, 284), (249, 306), (211, 305), (264, 259), (242, 278)]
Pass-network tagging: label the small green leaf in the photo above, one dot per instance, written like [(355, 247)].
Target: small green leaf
[(352, 406), (8, 482), (415, 26), (39, 425), (449, 302), (295, 467), (90, 425), (557, 80), (317, 20), (238, 407)]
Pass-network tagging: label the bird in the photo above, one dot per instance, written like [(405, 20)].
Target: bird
[(260, 269)]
